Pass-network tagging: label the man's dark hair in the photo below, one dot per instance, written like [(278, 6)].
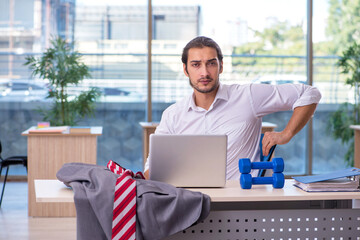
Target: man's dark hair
[(200, 42)]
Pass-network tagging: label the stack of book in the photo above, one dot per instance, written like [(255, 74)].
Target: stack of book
[(61, 130), (49, 130), (80, 129), (346, 180)]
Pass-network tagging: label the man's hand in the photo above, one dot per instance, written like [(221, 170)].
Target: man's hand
[(272, 138), (298, 120)]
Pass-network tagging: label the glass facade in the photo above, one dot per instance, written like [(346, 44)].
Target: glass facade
[(337, 28), (262, 42)]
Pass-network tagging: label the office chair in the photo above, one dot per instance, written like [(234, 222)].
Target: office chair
[(265, 158), (7, 162)]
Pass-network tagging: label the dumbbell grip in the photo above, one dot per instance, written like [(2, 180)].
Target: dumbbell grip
[(262, 180), (262, 165)]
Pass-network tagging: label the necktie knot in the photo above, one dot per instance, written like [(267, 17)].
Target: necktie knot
[(117, 169)]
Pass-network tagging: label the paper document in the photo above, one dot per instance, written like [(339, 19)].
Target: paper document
[(50, 130), (342, 180), (335, 185)]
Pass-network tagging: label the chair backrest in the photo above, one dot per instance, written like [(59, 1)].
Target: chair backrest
[(261, 153), (264, 158), (0, 150)]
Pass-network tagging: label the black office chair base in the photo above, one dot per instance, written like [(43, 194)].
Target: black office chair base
[(16, 160), (3, 188)]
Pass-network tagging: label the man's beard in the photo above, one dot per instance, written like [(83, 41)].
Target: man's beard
[(207, 90)]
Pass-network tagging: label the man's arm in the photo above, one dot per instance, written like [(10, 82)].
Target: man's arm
[(146, 174), (298, 120)]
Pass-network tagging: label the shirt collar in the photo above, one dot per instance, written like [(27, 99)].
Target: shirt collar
[(221, 94)]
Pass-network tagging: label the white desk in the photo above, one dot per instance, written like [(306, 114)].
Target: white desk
[(259, 213), (52, 191), (56, 191)]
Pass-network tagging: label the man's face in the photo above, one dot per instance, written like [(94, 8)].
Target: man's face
[(203, 69)]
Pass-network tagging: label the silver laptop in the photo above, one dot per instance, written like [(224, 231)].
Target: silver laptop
[(188, 160)]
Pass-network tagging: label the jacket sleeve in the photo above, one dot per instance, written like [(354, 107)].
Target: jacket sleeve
[(93, 188), (168, 209)]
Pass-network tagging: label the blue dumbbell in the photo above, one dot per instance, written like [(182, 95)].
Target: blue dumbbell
[(277, 180), (245, 165)]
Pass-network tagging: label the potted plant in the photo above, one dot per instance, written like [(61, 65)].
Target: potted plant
[(348, 113), (63, 68)]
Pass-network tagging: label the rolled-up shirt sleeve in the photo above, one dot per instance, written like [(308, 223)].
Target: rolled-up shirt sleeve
[(266, 99), (310, 95)]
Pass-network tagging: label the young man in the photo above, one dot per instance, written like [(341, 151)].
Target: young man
[(234, 110)]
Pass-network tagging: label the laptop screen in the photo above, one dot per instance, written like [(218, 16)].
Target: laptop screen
[(188, 160)]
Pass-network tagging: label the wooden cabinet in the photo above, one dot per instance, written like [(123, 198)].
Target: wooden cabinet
[(46, 155), (356, 145)]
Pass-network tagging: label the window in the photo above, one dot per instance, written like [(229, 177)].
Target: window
[(260, 44), (262, 41)]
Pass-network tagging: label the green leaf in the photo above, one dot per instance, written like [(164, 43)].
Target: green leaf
[(63, 67), (348, 114)]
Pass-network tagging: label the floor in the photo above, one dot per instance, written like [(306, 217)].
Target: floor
[(15, 223)]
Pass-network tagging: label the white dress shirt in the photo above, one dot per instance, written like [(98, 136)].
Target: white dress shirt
[(237, 111)]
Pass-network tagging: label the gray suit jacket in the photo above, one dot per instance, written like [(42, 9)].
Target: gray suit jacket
[(162, 209)]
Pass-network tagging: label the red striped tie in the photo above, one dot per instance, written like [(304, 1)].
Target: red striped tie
[(124, 211)]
